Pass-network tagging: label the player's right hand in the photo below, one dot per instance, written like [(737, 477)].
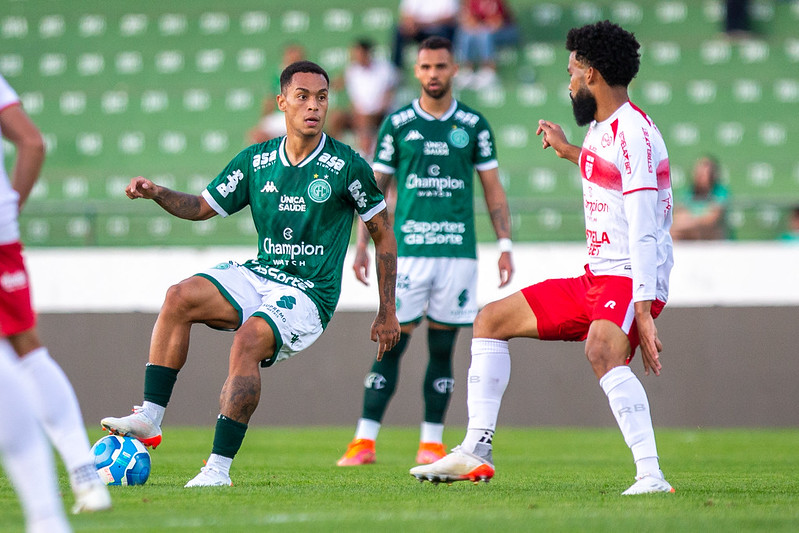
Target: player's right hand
[(140, 187)]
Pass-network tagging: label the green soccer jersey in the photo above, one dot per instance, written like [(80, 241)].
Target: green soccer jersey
[(433, 162), (303, 213)]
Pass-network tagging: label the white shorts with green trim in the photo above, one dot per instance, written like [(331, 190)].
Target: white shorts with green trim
[(291, 314), (444, 288)]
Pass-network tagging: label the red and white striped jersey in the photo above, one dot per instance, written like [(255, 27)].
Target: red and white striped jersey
[(627, 200)]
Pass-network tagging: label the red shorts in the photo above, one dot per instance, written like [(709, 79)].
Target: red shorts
[(16, 311), (565, 308)]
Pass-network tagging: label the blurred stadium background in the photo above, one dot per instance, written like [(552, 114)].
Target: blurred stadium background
[(169, 90)]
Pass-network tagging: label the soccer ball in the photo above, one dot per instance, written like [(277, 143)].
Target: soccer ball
[(121, 460)]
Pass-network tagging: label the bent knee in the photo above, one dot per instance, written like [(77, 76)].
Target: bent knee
[(487, 322), (179, 298)]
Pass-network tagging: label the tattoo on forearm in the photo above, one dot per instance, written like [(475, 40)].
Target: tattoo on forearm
[(240, 396), (180, 204), (500, 219), (386, 276)]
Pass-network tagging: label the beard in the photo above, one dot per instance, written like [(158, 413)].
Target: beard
[(439, 93), (583, 106)]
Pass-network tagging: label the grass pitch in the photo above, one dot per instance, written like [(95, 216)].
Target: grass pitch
[(285, 479)]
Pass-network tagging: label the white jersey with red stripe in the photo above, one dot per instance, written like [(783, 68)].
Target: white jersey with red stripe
[(9, 198), (627, 199)]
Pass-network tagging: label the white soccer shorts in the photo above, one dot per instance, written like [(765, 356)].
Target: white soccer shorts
[(292, 315), (445, 288)]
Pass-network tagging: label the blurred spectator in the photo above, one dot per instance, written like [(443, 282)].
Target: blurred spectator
[(272, 122), (369, 82), (792, 232), (737, 23), (484, 27), (701, 213), (420, 19)]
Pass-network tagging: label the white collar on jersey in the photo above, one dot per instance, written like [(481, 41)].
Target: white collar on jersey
[(427, 116), (281, 150)]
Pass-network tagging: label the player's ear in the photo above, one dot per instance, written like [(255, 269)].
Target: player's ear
[(592, 75), (281, 102)]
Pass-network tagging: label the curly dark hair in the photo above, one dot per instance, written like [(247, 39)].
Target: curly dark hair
[(296, 68), (608, 48)]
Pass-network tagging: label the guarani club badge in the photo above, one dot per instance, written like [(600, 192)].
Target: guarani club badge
[(319, 190), (458, 138)]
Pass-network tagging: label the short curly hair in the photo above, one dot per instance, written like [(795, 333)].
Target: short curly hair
[(607, 47)]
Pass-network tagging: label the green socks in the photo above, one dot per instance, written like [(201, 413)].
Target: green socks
[(381, 382), (228, 436), (438, 382), (158, 383)]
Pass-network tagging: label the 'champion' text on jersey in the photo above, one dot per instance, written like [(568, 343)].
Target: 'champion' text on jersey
[(433, 161), (627, 200)]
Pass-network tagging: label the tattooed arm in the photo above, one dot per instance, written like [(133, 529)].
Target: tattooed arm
[(497, 204), (361, 264), (385, 328), (180, 204)]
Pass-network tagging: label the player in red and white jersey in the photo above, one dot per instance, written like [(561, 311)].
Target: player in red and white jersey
[(625, 168), (27, 368), (612, 307)]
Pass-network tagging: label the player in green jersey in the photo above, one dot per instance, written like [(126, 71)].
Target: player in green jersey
[(302, 190), (431, 148)]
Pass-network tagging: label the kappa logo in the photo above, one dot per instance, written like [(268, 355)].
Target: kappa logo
[(270, 187), (414, 135), (294, 338), (287, 302)]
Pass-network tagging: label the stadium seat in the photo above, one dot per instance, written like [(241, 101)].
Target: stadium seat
[(121, 90)]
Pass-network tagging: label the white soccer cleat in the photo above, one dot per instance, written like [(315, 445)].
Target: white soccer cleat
[(648, 484), (459, 465), (91, 494), (91, 497), (209, 477), (138, 425)]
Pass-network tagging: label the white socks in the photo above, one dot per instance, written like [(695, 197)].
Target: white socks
[(219, 462), (154, 411), (430, 432), (367, 429), (57, 408), (630, 406), (489, 374), (25, 452)]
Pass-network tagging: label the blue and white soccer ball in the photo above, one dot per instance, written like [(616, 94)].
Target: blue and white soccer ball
[(121, 460)]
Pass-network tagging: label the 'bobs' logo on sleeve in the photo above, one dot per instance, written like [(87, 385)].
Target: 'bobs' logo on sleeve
[(233, 180), (357, 194)]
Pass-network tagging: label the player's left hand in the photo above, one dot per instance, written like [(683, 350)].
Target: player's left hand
[(385, 332), (505, 264)]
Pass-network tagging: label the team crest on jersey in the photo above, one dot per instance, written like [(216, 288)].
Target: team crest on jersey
[(588, 167), (319, 190), (458, 138)]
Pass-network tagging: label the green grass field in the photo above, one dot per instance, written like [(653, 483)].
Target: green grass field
[(285, 479)]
